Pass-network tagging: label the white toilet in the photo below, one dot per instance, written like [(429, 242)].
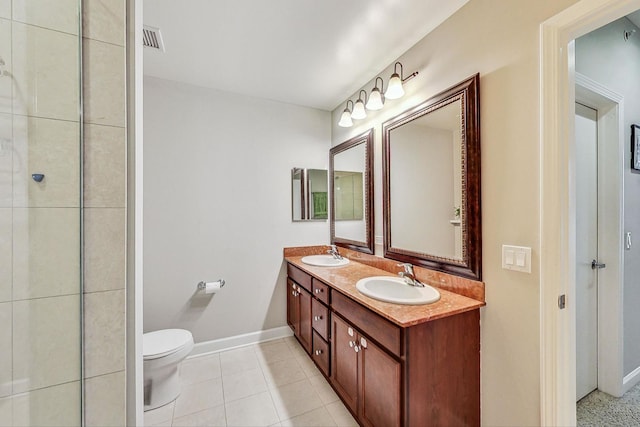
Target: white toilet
[(163, 350)]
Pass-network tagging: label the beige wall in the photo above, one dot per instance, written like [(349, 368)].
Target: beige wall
[(500, 40)]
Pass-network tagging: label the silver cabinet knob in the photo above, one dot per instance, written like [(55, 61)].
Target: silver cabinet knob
[(363, 342), (356, 349), (352, 343), (318, 352), (350, 332), (317, 318), (317, 291)]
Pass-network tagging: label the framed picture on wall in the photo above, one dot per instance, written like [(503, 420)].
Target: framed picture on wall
[(635, 148)]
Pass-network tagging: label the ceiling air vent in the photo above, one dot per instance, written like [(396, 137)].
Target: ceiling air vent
[(152, 38)]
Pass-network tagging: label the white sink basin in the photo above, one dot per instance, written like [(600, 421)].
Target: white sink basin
[(324, 261), (394, 289)]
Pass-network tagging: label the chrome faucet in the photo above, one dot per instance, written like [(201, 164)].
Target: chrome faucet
[(409, 276), (334, 252)]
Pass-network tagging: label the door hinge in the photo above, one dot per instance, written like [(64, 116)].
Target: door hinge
[(562, 301)]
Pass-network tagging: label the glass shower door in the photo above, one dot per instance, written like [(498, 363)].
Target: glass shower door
[(40, 213)]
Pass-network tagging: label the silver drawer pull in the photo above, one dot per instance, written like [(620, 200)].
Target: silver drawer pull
[(318, 352), (317, 318), (317, 291)]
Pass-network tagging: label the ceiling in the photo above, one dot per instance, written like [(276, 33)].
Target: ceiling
[(313, 53)]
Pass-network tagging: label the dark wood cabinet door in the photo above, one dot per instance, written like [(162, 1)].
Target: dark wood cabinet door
[(344, 362), (292, 305), (380, 386), (305, 324)]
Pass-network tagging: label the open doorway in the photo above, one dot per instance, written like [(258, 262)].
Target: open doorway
[(559, 232)]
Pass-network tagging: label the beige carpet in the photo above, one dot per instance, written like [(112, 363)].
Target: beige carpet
[(601, 409)]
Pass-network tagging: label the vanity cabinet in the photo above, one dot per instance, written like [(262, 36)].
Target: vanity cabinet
[(299, 313), (367, 379), (424, 374), (306, 312)]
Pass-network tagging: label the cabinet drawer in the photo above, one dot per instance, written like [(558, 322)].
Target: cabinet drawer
[(299, 276), (320, 290), (373, 325), (320, 353), (320, 318)]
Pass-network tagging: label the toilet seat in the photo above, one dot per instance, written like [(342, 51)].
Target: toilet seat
[(165, 342)]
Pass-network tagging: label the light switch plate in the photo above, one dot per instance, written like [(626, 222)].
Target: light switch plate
[(516, 258)]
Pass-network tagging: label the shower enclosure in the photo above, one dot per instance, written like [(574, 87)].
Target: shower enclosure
[(40, 213)]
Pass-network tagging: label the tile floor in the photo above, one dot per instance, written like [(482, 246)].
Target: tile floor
[(268, 384)]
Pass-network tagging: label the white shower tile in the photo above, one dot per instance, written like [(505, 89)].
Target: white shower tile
[(6, 160), (104, 249), (6, 411), (105, 400), (104, 20), (46, 247), (104, 166), (46, 342), (104, 83), (60, 15), (45, 71), (6, 374), (6, 84), (5, 9), (52, 148), (104, 332), (6, 254), (48, 407)]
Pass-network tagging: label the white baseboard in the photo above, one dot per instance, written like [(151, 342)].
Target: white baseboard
[(215, 346), (631, 380)]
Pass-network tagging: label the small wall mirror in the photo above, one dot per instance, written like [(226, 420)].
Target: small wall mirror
[(431, 176), (309, 194), (350, 179)]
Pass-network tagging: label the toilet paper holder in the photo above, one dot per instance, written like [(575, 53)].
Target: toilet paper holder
[(202, 285)]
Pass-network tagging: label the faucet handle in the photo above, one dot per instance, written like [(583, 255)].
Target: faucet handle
[(408, 267)]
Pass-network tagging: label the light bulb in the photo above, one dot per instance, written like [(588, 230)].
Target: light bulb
[(345, 119), (358, 110), (375, 100), (395, 90)]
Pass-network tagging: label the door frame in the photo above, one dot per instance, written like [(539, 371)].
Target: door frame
[(610, 122), (557, 200)]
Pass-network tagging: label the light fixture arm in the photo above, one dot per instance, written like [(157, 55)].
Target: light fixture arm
[(381, 84), (365, 95), (401, 74)]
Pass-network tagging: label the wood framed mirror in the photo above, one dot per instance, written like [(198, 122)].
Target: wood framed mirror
[(431, 183), (351, 187)]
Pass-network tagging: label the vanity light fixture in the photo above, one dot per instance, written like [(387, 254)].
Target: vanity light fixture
[(376, 99), (345, 118), (358, 108), (394, 89)]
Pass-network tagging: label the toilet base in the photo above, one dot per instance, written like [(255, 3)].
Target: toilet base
[(162, 387)]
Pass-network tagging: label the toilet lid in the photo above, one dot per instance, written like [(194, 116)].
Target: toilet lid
[(161, 343)]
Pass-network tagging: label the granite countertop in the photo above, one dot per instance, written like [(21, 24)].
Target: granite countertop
[(344, 278)]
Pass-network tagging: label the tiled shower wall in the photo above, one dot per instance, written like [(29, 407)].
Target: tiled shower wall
[(39, 243), (104, 212)]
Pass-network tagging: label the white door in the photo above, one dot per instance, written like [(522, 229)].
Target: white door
[(586, 250)]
